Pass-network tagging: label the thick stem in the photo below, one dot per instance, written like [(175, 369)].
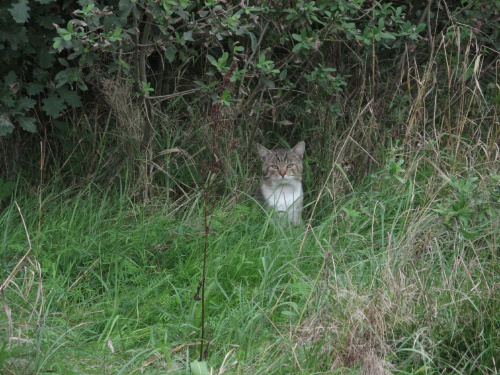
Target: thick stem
[(148, 125), (205, 214)]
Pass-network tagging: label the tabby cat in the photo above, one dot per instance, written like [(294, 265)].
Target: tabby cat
[(281, 184)]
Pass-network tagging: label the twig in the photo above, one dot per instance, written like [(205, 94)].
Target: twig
[(170, 96)]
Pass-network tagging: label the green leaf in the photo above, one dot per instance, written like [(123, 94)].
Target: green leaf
[(468, 235), (6, 125), (201, 84), (212, 60), (253, 41), (19, 11), (381, 23), (351, 213), (8, 101), (188, 35), (74, 55), (45, 58), (6, 188), (24, 103), (34, 88), (262, 59), (82, 85), (170, 53), (53, 105), (223, 58), (70, 97), (27, 123), (17, 37), (117, 32), (199, 368), (387, 35), (297, 37), (63, 62), (57, 43), (88, 8), (10, 77), (225, 96), (268, 82)]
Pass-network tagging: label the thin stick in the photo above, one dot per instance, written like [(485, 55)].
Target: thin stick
[(42, 166)]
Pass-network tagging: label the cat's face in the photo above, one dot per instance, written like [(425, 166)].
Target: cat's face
[(282, 164)]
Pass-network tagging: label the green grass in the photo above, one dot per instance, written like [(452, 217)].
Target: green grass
[(399, 276)]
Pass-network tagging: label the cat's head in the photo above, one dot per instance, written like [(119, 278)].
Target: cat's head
[(282, 164)]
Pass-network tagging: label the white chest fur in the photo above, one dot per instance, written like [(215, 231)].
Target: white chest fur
[(285, 196)]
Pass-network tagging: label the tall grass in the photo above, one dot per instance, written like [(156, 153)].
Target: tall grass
[(400, 275), (396, 269)]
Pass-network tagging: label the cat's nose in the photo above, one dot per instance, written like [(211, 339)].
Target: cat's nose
[(283, 173)]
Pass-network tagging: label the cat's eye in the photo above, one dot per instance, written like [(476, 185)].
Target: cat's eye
[(274, 166), (290, 165)]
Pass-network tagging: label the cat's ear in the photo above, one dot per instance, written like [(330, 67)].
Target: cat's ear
[(263, 152), (299, 149)]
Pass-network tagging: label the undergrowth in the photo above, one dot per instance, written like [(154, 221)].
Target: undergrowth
[(101, 206), (399, 274)]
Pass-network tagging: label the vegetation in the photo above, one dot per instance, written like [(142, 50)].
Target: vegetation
[(127, 135)]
